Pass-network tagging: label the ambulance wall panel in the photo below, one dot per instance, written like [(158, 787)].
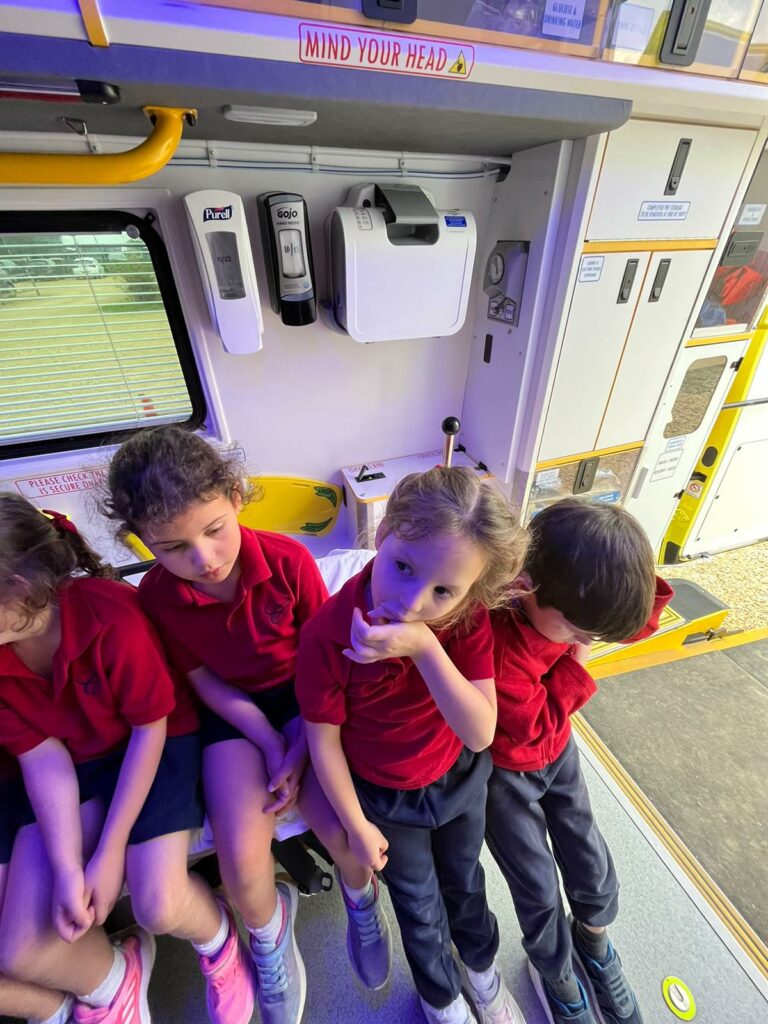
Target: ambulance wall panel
[(313, 399), (597, 329), (527, 206), (656, 333), (737, 512), (631, 202)]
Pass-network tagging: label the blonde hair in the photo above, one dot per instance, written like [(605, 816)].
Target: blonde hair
[(38, 554), (460, 503)]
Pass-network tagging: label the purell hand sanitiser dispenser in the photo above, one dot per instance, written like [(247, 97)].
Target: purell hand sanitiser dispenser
[(285, 234), (224, 256)]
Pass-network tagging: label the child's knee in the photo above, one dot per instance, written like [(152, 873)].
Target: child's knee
[(158, 905)]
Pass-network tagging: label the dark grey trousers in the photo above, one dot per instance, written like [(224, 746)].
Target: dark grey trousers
[(523, 808), (434, 876)]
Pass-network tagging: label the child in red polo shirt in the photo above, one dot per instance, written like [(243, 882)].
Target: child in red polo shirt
[(17, 998), (88, 707), (589, 573), (228, 603), (395, 681)]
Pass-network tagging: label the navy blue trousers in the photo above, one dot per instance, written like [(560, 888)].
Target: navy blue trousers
[(523, 807), (434, 876)]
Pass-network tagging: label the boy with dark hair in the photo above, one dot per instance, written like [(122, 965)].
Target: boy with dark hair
[(589, 574)]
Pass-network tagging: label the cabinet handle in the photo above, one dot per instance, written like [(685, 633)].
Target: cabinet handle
[(625, 290), (658, 282), (676, 172)]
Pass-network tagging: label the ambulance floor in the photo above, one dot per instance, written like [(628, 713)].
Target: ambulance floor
[(664, 928), (692, 735)]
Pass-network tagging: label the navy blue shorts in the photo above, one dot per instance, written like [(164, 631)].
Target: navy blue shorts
[(278, 705), (15, 811), (174, 803)]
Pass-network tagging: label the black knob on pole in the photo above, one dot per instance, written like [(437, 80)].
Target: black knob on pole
[(450, 427)]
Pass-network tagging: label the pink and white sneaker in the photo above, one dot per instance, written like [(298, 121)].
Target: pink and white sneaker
[(230, 991), (130, 1005)]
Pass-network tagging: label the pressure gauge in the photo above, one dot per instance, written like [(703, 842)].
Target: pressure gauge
[(495, 267)]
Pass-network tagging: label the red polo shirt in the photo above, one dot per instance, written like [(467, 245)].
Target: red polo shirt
[(251, 641), (539, 685), (391, 729), (109, 675)]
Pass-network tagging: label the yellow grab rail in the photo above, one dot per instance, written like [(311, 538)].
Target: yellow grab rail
[(97, 168)]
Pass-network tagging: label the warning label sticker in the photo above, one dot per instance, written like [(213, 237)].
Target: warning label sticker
[(344, 47), (60, 483)]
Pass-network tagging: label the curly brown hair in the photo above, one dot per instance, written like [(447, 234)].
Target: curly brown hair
[(457, 501), (158, 473), (37, 555)]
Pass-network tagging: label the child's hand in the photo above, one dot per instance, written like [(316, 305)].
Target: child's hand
[(273, 750), (368, 845), (104, 876), (390, 640), (71, 914), (286, 780), (581, 652)]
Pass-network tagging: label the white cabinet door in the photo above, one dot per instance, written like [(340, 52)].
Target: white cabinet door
[(640, 160), (666, 302), (598, 324), (691, 400)]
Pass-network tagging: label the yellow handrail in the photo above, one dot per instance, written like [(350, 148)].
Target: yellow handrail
[(96, 168)]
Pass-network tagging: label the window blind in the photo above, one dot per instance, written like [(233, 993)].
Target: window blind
[(85, 342)]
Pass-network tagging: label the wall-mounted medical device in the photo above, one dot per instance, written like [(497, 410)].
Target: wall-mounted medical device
[(399, 267), (285, 232), (224, 256), (504, 280)]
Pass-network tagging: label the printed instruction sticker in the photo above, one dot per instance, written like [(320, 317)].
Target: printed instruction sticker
[(591, 268), (666, 464), (675, 443), (549, 478), (343, 47), (663, 211), (752, 214), (563, 18), (60, 483), (633, 28)]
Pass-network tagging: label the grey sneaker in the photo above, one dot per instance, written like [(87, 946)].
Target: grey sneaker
[(369, 940), (280, 976), (557, 1012), (501, 1009), (457, 1013), (614, 1000)]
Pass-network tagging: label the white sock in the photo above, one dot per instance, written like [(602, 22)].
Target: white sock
[(486, 982), (268, 933), (103, 995), (359, 897), (61, 1016), (454, 1013), (216, 944)]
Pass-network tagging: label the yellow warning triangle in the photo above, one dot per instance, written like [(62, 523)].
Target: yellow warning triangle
[(459, 66)]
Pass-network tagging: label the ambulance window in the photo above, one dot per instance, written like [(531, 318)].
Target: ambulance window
[(694, 396), (92, 338)]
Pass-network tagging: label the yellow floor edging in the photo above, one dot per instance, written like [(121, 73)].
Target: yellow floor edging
[(746, 937)]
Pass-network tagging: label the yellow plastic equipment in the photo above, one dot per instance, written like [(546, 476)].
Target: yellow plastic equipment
[(281, 504)]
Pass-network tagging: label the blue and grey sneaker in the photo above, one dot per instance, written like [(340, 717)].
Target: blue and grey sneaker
[(557, 1012), (612, 995), (369, 940), (280, 976)]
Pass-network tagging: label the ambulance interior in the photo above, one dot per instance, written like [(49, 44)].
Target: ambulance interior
[(318, 234)]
